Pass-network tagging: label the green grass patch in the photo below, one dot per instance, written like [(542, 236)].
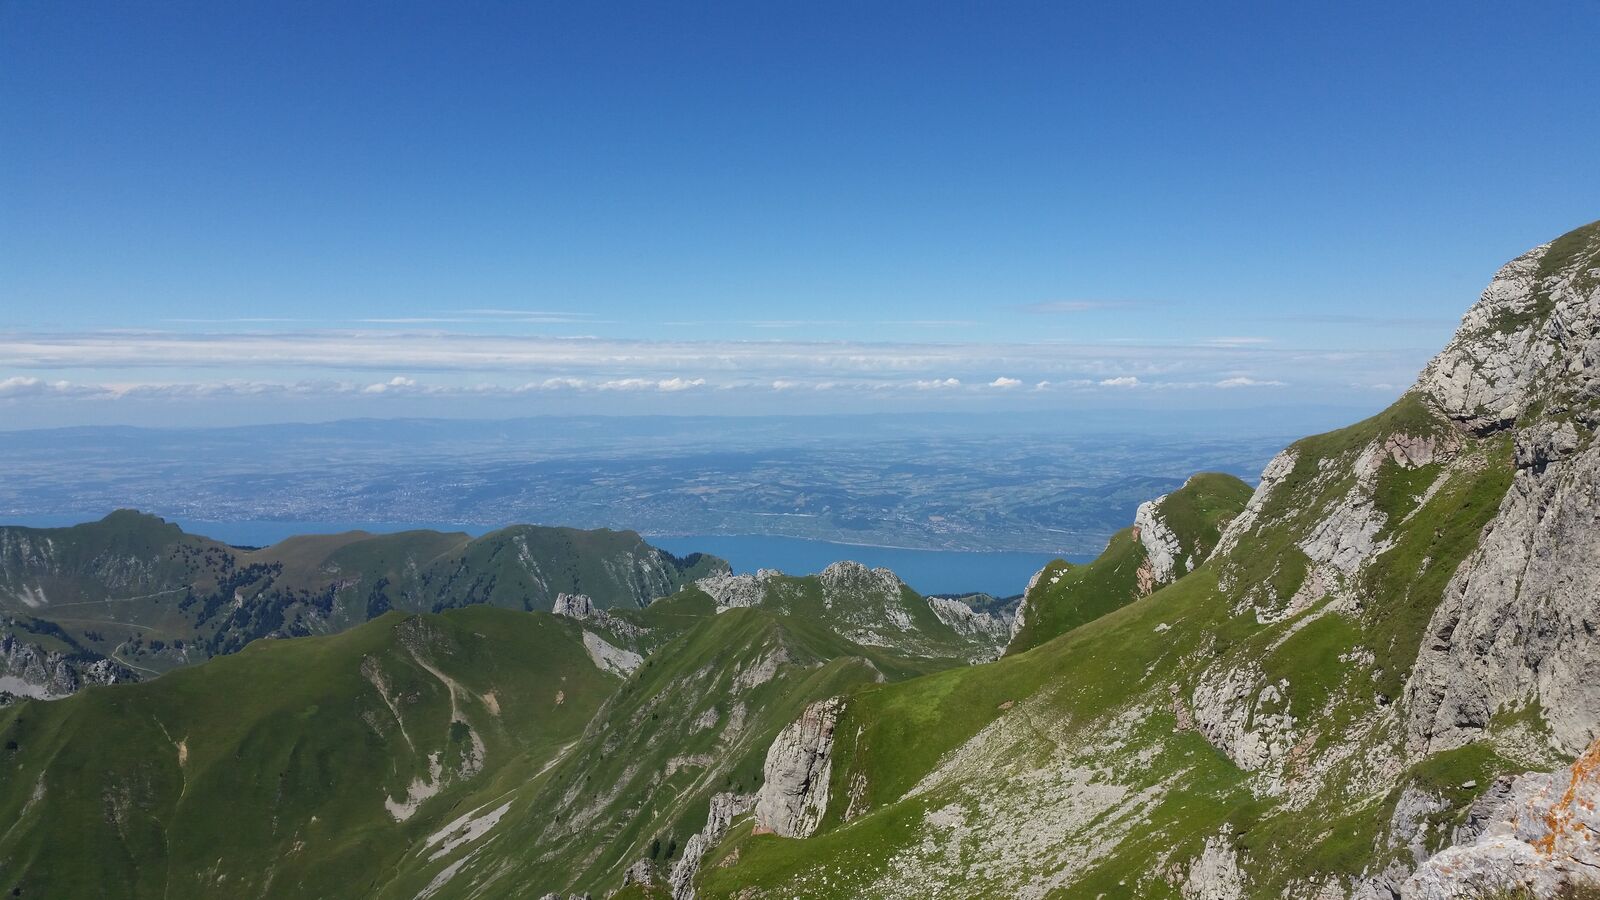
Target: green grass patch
[(1399, 489), (1067, 596), (1198, 512), (1309, 660), (1411, 575)]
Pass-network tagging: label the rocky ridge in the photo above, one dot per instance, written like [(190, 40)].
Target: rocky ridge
[(143, 594), (1518, 621), (28, 670), (1164, 556), (871, 607), (1401, 615)]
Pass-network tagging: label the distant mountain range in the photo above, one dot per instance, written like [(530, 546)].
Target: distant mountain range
[(131, 595)]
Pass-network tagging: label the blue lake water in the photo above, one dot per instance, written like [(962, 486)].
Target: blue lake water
[(1002, 573)]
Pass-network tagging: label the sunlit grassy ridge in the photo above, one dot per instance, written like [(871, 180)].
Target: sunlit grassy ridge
[(1066, 596)]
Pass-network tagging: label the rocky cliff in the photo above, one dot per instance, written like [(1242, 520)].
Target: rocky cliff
[(30, 670), (794, 789), (1518, 622), (1541, 834), (1371, 650)]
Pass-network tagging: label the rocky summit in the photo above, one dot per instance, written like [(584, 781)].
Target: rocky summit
[(1372, 675)]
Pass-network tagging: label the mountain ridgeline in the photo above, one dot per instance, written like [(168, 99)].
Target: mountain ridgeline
[(132, 596), (1371, 676)]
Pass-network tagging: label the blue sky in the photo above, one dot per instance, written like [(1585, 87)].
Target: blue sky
[(257, 212)]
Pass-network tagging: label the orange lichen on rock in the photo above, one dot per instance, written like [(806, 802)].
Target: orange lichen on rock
[(1559, 818)]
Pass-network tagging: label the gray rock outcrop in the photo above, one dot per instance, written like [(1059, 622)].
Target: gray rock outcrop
[(1247, 720), (1543, 838), (610, 658), (1249, 521), (1021, 618), (1409, 831), (794, 793), (853, 579), (574, 606), (730, 591), (1518, 620), (643, 871), (965, 620), (1214, 874), (1489, 373), (28, 670), (724, 808), (1164, 554)]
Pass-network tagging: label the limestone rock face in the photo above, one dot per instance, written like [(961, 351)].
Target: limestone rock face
[(724, 808), (1544, 837), (794, 793), (1519, 619), (1020, 619), (1248, 721), (1408, 831), (611, 658), (28, 670), (574, 606), (1485, 377), (852, 579), (1163, 551), (643, 872), (731, 591), (1214, 874), (967, 621), (1250, 519)]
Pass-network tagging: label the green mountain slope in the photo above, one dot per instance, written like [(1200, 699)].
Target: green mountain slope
[(1306, 714), (1096, 761), (294, 768), (1173, 533), (735, 659), (144, 597), (442, 755)]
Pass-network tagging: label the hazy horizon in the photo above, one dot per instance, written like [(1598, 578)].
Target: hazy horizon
[(1286, 420), (252, 213)]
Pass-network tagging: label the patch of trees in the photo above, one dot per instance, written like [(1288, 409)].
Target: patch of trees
[(231, 584), (378, 599)]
